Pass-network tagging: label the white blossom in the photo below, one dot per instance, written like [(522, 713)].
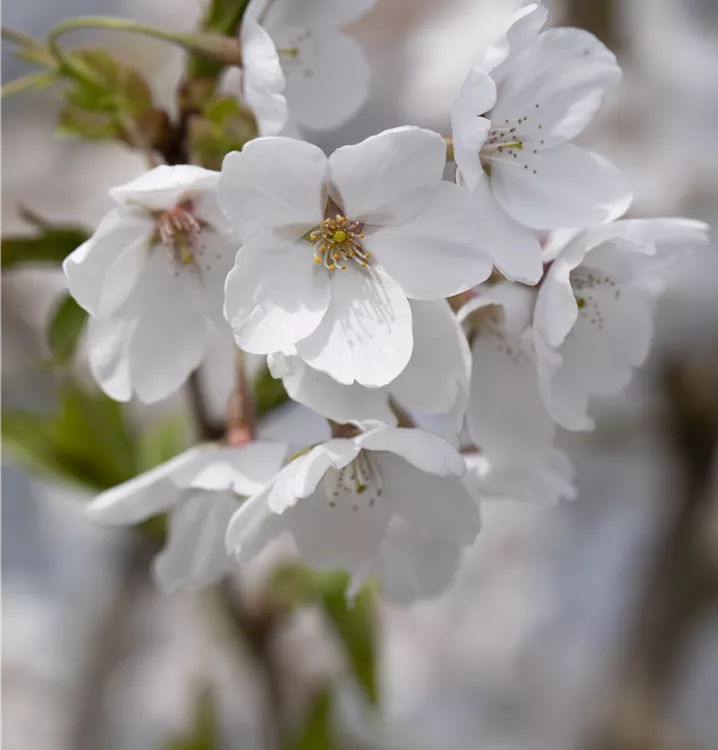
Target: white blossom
[(334, 247), (435, 381), (200, 491), (151, 276), (388, 502), (296, 59), (593, 318), (513, 123), (506, 418)]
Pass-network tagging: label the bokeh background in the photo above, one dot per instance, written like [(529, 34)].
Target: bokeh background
[(591, 626)]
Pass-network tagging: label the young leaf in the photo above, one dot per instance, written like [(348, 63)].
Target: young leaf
[(223, 127), (352, 622), (84, 441), (269, 393), (317, 731), (203, 734), (52, 243), (66, 325)]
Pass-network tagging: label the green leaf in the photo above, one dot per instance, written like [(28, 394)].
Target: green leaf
[(66, 325), (203, 734), (224, 126), (317, 731), (51, 245), (85, 441), (353, 622), (107, 100), (269, 393)]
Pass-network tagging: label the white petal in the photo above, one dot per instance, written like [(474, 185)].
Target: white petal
[(365, 335), (468, 126), (327, 79), (438, 371), (432, 505), (274, 183), (336, 527), (164, 186), (103, 271), (108, 351), (440, 252), (262, 78), (565, 186), (389, 177), (411, 565), (217, 254), (246, 470), (171, 333), (556, 309), (310, 14), (566, 72), (506, 416), (426, 451), (322, 394), (275, 294), (252, 527), (612, 336), (300, 478), (146, 495), (195, 554)]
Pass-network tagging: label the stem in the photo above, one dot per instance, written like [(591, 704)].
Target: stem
[(449, 141), (207, 428), (212, 46), (139, 142), (240, 409), (32, 81)]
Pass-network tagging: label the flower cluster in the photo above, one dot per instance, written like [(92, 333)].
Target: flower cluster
[(498, 302)]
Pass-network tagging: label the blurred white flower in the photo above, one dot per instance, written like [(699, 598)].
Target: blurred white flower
[(435, 381), (295, 54), (593, 319), (512, 124), (506, 417), (200, 490), (388, 502), (334, 247), (150, 277)]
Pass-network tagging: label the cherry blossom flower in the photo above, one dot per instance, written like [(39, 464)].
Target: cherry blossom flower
[(387, 502), (200, 491), (506, 418), (295, 55), (151, 276), (334, 247), (593, 318), (435, 381), (513, 123)]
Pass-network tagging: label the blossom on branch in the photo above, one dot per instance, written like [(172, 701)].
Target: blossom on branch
[(593, 320), (333, 248), (297, 62), (506, 418), (513, 123), (388, 502), (200, 491), (151, 276)]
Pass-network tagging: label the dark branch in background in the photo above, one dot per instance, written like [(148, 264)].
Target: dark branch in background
[(681, 586), (107, 643), (600, 17)]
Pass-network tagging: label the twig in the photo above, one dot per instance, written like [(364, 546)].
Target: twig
[(206, 427), (240, 409)]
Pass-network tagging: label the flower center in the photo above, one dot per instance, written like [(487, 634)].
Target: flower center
[(358, 485), (337, 241), (513, 139), (592, 289), (178, 229)]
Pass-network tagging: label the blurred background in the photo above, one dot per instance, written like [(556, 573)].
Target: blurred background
[(593, 626)]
